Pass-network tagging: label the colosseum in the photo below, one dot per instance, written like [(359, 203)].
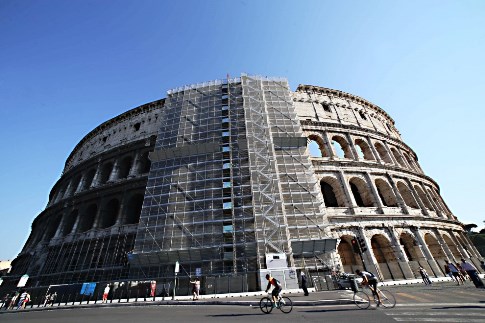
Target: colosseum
[(231, 179)]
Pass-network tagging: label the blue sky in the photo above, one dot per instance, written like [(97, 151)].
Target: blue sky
[(68, 66)]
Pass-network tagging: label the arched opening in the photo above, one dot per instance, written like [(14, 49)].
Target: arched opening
[(88, 181), (363, 150), (86, 220), (410, 162), (350, 260), (125, 167), (423, 198), (341, 147), (332, 192), (386, 193), (74, 185), (414, 254), (385, 257), (105, 172), (382, 151), (145, 163), (52, 226), (133, 209), (109, 214), (398, 157), (69, 221), (436, 251), (407, 195), (452, 246), (316, 146), (362, 195)]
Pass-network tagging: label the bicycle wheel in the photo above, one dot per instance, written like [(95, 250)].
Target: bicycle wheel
[(266, 305), (387, 299), (362, 300), (286, 305)]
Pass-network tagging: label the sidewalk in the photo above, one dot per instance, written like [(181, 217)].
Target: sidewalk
[(333, 297)]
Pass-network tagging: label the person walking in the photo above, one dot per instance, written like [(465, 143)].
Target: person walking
[(425, 276), (472, 272), (105, 294), (304, 284), (195, 289), (22, 297), (455, 273), (52, 299)]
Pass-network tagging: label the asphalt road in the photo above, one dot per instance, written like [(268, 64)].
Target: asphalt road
[(438, 303)]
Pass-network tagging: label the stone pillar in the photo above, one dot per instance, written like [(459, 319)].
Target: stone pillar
[(348, 192), (135, 166), (393, 158), (429, 256), (401, 255), (374, 151), (445, 247), (424, 210), (399, 198), (368, 256), (115, 172), (329, 146), (80, 184), (373, 188), (353, 150), (96, 175)]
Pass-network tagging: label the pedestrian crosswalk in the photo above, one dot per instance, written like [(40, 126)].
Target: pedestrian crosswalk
[(428, 315)]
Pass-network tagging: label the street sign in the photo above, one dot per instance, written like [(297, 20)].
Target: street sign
[(198, 271), (177, 267), (23, 281)]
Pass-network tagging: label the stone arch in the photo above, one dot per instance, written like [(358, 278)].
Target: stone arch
[(106, 170), (435, 248), (341, 147), (52, 226), (316, 146), (362, 194), (398, 157), (365, 150), (385, 257), (74, 185), (382, 151), (68, 224), (109, 214), (386, 193), (333, 194), (410, 162), (125, 167), (133, 209), (145, 163), (423, 197), (409, 244), (88, 180), (407, 195), (350, 260), (86, 220), (453, 248)]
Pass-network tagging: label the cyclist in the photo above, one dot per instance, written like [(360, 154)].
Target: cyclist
[(370, 280), (277, 288)]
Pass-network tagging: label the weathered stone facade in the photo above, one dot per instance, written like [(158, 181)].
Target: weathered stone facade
[(371, 189)]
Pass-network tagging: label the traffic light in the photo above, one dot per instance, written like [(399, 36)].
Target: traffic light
[(362, 246), (355, 245)]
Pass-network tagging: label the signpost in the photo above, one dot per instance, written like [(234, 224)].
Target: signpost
[(177, 269)]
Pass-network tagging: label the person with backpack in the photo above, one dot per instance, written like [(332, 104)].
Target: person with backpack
[(277, 288), (369, 279)]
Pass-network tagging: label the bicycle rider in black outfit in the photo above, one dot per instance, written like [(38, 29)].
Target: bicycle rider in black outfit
[(370, 280)]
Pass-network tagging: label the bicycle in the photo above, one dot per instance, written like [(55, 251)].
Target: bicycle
[(283, 303), (362, 299)]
